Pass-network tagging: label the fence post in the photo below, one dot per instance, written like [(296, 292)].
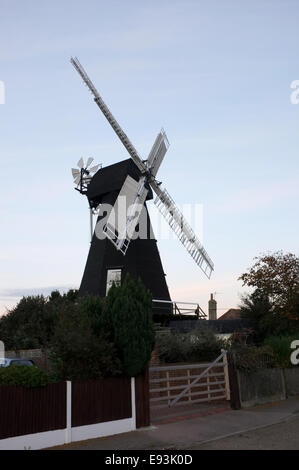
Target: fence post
[(226, 375), (189, 393), (68, 429), (235, 401), (133, 401), (167, 386)]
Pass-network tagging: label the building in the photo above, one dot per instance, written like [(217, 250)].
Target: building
[(231, 314)]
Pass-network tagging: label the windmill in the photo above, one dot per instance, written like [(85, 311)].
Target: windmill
[(133, 180)]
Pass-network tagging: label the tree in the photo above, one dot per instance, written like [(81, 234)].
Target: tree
[(71, 294), (277, 276), (127, 314), (92, 307), (29, 325), (70, 329), (273, 306), (76, 352), (257, 308)]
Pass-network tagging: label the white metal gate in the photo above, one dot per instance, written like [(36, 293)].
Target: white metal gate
[(189, 383)]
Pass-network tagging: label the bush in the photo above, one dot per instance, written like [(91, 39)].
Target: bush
[(200, 344), (251, 358), (173, 347), (281, 347), (76, 352), (26, 376)]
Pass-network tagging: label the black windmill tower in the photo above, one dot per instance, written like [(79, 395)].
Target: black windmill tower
[(123, 239)]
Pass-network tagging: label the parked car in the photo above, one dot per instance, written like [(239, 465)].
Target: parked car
[(16, 361)]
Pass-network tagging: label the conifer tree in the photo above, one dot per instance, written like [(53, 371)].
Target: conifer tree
[(127, 314)]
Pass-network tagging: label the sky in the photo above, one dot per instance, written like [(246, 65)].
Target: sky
[(216, 75)]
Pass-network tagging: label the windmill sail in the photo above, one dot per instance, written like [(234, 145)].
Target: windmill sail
[(157, 153), (109, 116), (182, 229), (125, 213)]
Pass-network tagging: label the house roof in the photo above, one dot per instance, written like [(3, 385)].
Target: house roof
[(220, 326), (231, 314)]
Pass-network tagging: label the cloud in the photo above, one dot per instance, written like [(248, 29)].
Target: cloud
[(10, 297), (27, 291)]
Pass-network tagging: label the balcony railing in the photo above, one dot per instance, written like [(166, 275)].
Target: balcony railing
[(174, 307)]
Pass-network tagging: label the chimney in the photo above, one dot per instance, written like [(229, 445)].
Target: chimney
[(212, 308)]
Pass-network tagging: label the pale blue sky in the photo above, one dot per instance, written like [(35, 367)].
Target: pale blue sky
[(215, 74)]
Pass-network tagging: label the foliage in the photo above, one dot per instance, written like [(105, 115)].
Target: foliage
[(70, 295), (92, 308), (200, 344), (28, 325), (242, 335), (107, 318), (250, 358), (173, 347), (127, 316), (281, 347), (23, 375), (257, 308), (267, 320), (80, 337), (79, 350), (31, 323), (277, 276)]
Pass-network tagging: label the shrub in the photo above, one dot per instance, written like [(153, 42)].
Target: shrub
[(281, 347), (249, 358), (23, 375), (173, 347), (200, 344), (77, 353), (127, 315)]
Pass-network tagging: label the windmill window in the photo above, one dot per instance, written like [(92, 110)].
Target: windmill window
[(113, 275)]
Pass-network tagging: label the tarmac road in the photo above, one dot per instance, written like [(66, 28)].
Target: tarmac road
[(269, 426), (282, 436)]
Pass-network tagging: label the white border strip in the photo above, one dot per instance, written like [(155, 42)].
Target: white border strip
[(35, 441), (108, 428)]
